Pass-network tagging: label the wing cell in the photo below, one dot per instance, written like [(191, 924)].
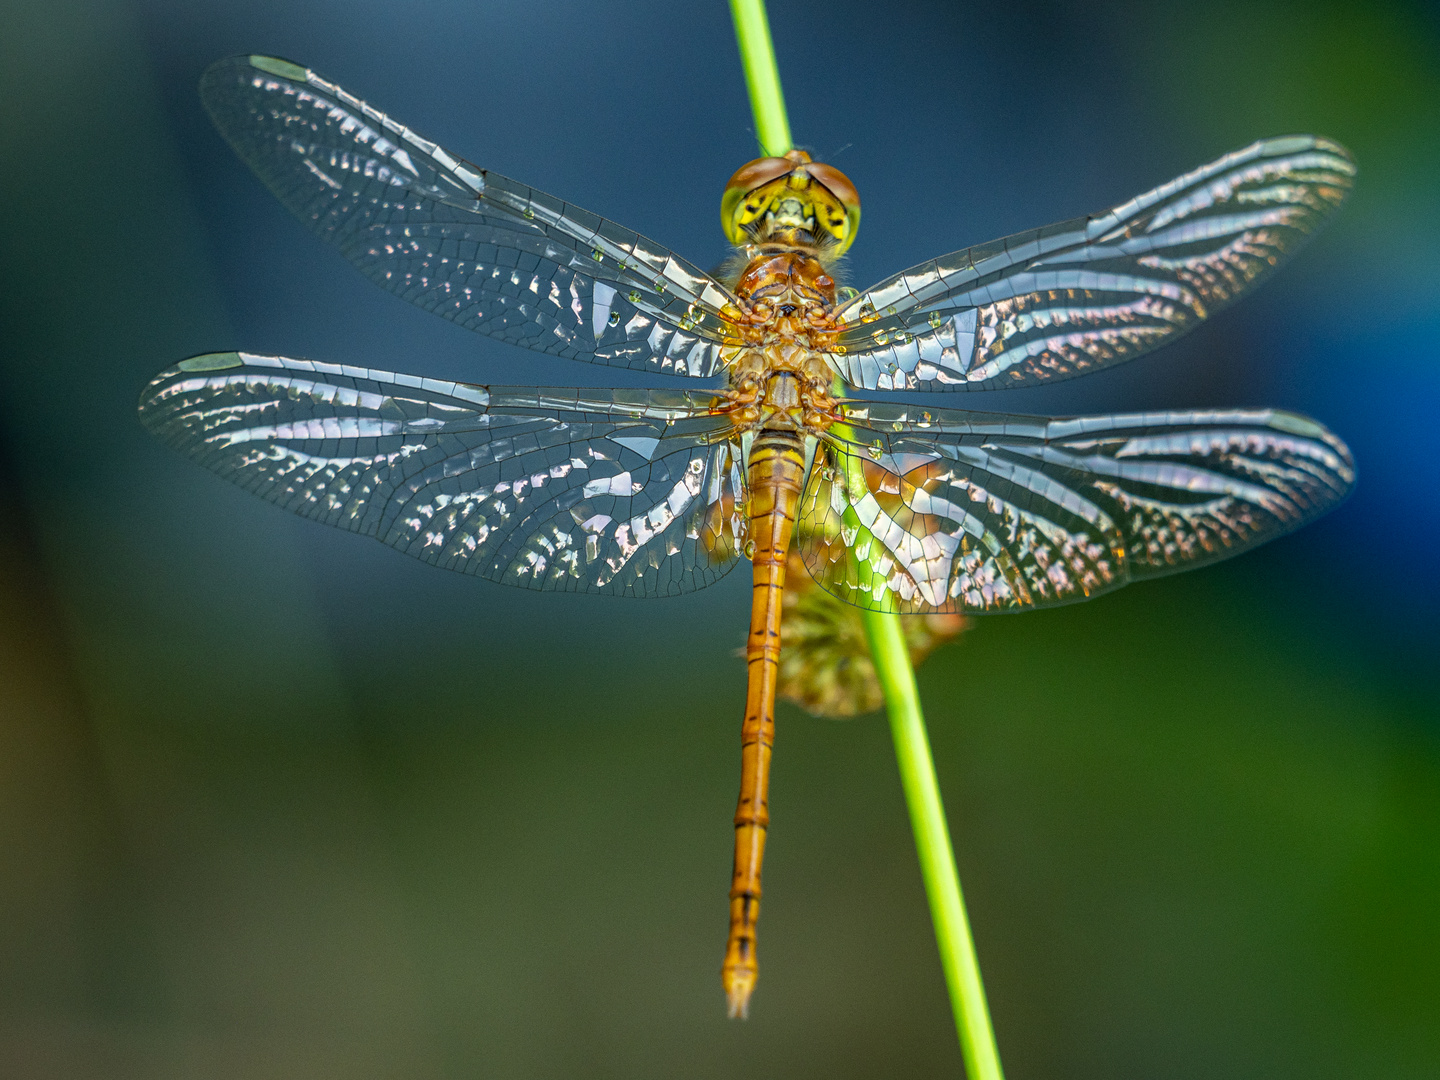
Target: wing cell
[(916, 511), (630, 492), (468, 244), (1083, 295)]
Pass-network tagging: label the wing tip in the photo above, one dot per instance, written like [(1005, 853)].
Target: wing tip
[(1298, 424), (205, 362), (1282, 145)]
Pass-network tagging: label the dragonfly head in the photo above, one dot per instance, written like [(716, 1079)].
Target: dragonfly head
[(791, 200)]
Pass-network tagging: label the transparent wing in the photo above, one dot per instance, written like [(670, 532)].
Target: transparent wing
[(632, 492), (1082, 295), (468, 244), (956, 511)]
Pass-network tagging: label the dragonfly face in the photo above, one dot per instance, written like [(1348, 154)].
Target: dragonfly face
[(791, 201), (892, 507)]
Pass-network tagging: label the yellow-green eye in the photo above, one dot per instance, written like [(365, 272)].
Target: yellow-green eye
[(748, 179), (839, 185)]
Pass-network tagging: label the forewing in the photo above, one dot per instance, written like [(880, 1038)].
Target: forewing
[(1082, 295), (468, 244), (631, 492), (953, 511)]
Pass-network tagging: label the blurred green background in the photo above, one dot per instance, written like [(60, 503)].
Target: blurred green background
[(277, 802)]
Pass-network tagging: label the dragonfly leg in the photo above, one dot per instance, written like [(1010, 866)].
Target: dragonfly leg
[(777, 468)]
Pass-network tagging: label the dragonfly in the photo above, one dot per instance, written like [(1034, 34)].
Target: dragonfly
[(657, 492)]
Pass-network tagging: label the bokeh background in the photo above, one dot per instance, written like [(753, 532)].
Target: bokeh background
[(277, 802)]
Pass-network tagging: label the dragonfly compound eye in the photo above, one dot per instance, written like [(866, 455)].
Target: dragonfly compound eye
[(749, 180), (842, 219)]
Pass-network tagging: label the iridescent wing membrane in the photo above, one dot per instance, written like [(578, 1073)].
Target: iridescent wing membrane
[(628, 491), (468, 244), (915, 511), (1082, 295)]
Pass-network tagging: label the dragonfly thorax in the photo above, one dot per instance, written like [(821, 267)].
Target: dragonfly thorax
[(780, 388), (786, 280), (780, 377)]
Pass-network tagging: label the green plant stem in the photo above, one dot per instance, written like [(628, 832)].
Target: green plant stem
[(892, 661), (932, 844), (762, 77)]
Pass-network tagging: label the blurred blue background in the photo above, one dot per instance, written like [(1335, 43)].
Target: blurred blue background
[(276, 801)]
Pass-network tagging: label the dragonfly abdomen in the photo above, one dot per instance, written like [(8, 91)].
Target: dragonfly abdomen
[(777, 471)]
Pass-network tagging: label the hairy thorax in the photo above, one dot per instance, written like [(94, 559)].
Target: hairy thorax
[(779, 377)]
